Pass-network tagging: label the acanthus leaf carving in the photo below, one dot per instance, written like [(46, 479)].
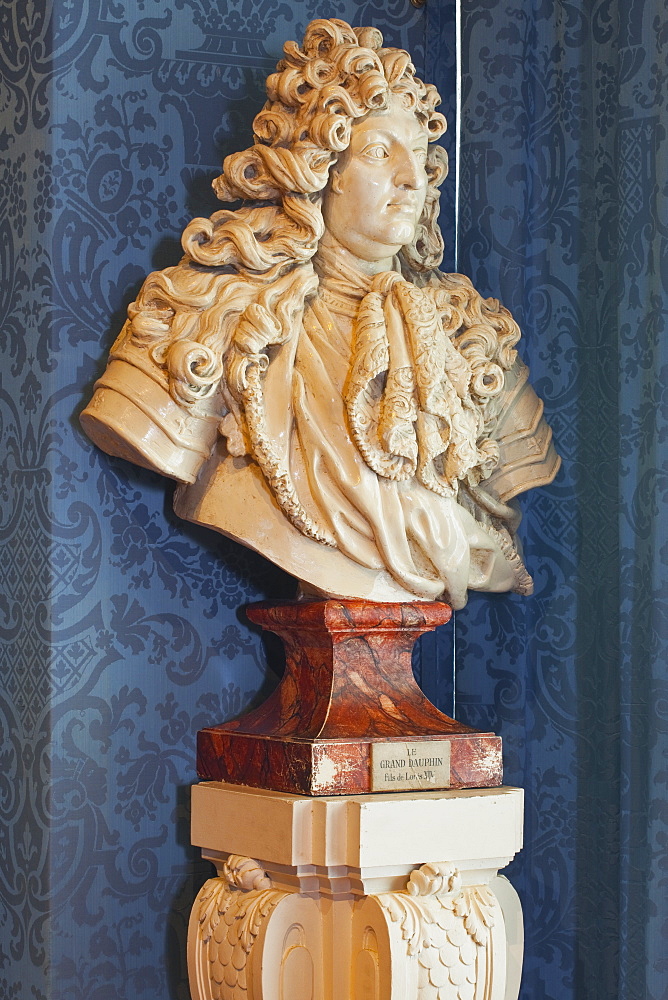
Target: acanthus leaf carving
[(231, 911), (445, 926)]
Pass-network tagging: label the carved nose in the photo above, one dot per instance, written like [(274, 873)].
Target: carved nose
[(410, 172)]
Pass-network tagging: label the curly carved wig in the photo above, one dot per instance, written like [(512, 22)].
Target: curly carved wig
[(319, 91)]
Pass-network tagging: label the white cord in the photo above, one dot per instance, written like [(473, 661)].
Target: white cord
[(458, 141), (458, 121)]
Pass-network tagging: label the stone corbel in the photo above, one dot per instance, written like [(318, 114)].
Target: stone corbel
[(437, 939), (248, 939)]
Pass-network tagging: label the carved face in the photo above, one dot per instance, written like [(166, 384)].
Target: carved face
[(377, 189)]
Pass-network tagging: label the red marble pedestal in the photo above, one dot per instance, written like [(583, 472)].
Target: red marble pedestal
[(348, 685)]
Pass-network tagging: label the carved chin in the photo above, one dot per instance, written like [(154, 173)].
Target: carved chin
[(401, 225), (405, 231)]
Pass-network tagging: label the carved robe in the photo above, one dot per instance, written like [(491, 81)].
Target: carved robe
[(361, 463), (395, 538)]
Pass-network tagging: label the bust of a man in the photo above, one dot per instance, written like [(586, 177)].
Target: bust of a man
[(320, 390)]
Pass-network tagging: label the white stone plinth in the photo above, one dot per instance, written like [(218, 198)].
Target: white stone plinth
[(365, 897)]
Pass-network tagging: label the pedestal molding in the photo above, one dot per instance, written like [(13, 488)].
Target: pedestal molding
[(348, 687), (387, 929)]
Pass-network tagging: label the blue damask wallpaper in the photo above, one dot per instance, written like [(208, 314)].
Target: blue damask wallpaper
[(120, 628), (120, 631), (564, 215)]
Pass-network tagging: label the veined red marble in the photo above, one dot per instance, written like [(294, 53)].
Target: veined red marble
[(348, 683)]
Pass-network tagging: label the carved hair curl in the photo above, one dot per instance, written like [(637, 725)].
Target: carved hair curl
[(257, 258), (338, 76)]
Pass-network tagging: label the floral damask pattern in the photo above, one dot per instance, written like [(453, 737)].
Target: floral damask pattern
[(120, 634), (564, 214)]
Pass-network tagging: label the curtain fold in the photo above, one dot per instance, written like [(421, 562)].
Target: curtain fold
[(564, 216)]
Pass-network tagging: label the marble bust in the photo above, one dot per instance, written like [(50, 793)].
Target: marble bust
[(320, 390)]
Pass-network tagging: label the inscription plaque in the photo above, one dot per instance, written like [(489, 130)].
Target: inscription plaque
[(398, 767)]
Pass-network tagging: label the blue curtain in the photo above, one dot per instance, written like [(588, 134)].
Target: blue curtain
[(564, 216)]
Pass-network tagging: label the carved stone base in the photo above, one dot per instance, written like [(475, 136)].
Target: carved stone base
[(348, 688), (331, 898)]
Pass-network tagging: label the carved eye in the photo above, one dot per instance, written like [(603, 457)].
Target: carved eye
[(376, 152)]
